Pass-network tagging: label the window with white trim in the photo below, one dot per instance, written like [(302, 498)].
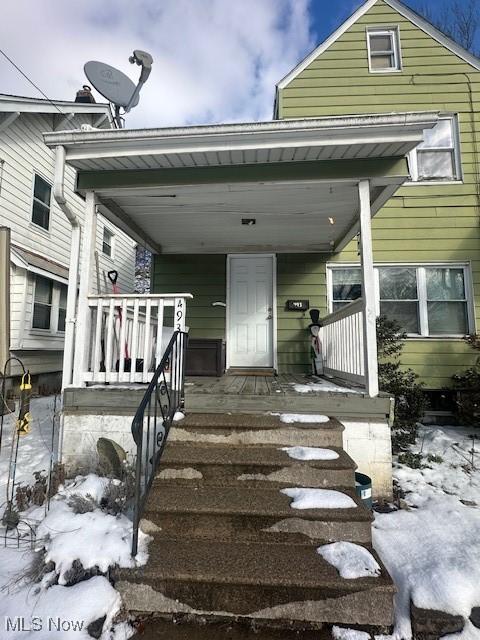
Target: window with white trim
[(42, 193), (42, 303), (107, 242), (383, 50), (437, 158), (49, 305), (427, 301)]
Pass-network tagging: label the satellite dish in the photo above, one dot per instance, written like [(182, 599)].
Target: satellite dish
[(114, 85)]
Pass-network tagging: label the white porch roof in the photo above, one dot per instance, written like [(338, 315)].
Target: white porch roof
[(187, 189)]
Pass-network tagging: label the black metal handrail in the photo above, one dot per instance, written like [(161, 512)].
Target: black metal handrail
[(153, 418)]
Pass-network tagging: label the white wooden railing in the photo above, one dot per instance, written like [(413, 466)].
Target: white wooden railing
[(342, 340), (128, 333)]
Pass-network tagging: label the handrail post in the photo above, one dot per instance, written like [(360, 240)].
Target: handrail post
[(368, 283)]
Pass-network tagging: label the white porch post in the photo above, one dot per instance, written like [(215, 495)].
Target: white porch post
[(86, 278), (368, 284)]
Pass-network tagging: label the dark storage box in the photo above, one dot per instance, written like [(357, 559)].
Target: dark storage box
[(205, 357)]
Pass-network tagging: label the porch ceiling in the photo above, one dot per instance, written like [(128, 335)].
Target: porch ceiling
[(188, 189)]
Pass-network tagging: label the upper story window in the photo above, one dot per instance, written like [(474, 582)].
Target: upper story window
[(426, 300), (438, 156), (42, 192), (107, 242), (383, 50)]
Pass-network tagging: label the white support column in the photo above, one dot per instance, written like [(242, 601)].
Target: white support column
[(82, 343), (368, 283)]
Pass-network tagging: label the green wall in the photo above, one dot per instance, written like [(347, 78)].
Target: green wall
[(429, 223)]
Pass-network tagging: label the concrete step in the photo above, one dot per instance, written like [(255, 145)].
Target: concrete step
[(238, 512), (251, 464), (265, 582), (238, 428)]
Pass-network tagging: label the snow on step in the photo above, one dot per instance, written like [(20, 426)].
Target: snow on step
[(310, 453), (351, 560), (318, 499), (339, 633), (304, 418)]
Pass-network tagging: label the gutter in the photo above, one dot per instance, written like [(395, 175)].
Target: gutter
[(59, 195), (339, 124)]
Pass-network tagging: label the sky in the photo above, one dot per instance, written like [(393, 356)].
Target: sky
[(214, 60)]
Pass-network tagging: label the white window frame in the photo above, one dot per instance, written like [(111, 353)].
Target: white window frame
[(421, 292), (394, 34), (53, 330), (457, 160), (34, 199), (107, 229)]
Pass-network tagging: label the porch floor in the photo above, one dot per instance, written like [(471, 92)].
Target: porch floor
[(283, 393), (238, 394)]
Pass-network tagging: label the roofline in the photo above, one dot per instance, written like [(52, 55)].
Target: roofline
[(79, 137), (408, 13), (10, 103), (100, 144)]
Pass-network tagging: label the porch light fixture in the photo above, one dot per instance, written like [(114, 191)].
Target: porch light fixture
[(249, 222), (331, 220)]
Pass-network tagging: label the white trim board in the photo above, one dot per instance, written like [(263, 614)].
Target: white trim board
[(407, 13)]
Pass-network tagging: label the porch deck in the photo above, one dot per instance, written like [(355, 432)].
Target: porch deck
[(240, 394)]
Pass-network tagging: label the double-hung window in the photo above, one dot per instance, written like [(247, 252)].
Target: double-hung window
[(42, 192), (42, 303), (49, 305), (427, 301), (437, 158), (383, 50), (107, 242)]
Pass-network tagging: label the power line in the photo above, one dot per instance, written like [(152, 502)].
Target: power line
[(30, 81)]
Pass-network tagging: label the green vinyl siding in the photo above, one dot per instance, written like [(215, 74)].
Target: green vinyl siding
[(421, 223), (299, 276), (204, 276)]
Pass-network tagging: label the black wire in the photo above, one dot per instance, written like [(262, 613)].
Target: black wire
[(30, 81)]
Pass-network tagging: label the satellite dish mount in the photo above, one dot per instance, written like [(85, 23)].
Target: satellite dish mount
[(115, 86)]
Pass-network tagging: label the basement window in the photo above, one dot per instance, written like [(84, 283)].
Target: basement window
[(383, 50)]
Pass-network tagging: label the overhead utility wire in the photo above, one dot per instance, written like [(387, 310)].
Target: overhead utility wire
[(30, 81)]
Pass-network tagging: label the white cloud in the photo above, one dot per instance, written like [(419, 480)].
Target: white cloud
[(214, 60)]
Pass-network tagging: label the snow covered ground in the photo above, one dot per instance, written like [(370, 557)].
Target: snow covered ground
[(37, 597), (432, 548)]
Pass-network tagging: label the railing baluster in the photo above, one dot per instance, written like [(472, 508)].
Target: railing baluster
[(123, 341), (97, 349), (134, 345), (146, 342), (110, 338)]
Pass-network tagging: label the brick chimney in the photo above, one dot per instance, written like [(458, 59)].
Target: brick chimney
[(85, 94)]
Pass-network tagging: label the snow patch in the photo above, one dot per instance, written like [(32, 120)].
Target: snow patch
[(351, 560), (339, 633), (305, 418), (322, 385), (318, 499), (178, 416), (310, 453)]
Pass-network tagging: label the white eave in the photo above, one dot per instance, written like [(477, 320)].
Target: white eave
[(343, 137), (414, 17), (23, 104)]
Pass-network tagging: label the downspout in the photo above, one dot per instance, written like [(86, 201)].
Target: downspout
[(59, 195)]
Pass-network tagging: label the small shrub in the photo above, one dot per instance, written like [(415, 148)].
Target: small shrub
[(403, 384), (412, 460), (434, 458), (467, 384), (119, 494), (81, 504)]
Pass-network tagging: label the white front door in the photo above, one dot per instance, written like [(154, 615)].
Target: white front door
[(250, 311)]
